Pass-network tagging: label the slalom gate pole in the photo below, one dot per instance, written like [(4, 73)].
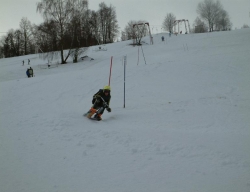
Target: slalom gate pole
[(138, 56), (143, 55), (124, 63), (110, 69)]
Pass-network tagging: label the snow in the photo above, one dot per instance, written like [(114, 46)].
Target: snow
[(185, 126)]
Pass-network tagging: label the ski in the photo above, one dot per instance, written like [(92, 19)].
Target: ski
[(94, 119)]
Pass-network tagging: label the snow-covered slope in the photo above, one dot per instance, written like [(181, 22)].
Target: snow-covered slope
[(185, 127)]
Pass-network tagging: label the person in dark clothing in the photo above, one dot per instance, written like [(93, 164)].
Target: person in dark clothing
[(100, 102), (27, 73), (31, 72)]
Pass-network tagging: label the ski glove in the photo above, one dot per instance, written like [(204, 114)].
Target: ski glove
[(109, 109)]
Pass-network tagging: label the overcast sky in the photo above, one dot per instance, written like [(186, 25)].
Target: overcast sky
[(153, 11)]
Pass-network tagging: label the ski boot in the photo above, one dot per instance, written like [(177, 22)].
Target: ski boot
[(98, 117)]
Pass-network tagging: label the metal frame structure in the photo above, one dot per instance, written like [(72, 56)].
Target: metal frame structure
[(150, 35), (178, 22)]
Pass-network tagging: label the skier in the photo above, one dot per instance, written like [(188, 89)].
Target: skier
[(100, 102)]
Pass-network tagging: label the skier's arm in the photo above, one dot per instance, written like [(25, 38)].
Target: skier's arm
[(97, 95), (108, 108)]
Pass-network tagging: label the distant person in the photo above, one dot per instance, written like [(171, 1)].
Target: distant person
[(162, 38), (23, 62), (169, 33), (27, 73), (31, 73), (28, 61)]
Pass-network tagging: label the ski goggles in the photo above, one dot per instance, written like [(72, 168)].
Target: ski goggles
[(106, 91)]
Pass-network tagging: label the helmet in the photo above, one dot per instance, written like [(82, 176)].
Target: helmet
[(107, 87)]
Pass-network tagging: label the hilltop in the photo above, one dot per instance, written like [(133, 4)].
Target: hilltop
[(185, 126)]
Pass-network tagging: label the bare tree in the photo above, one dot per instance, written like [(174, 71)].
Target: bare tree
[(222, 21), (12, 43), (1, 47), (46, 37), (1, 52), (76, 29), (129, 31), (88, 25), (19, 42), (123, 36), (60, 12), (108, 23), (199, 26), (205, 10), (168, 22), (218, 13), (136, 30), (113, 25), (26, 30), (9, 47), (210, 11), (245, 26), (214, 14), (95, 27)]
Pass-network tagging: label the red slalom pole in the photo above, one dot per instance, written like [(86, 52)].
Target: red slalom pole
[(110, 69)]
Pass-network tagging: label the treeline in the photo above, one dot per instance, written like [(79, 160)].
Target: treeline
[(68, 25), (211, 17)]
